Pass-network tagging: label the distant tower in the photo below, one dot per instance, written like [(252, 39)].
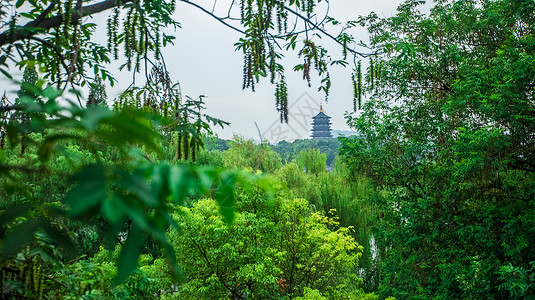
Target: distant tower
[(321, 126)]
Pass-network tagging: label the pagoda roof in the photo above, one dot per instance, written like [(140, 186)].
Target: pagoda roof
[(321, 115)]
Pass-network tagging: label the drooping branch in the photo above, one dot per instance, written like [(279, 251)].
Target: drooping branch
[(25, 31), (307, 20), (316, 27)]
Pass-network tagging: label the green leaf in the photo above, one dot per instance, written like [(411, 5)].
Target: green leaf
[(137, 185), (129, 256), (45, 151), (51, 107), (93, 115), (89, 192), (206, 177), (13, 212), (19, 237), (138, 216), (113, 209), (47, 146), (60, 238), (6, 74), (128, 128), (179, 180), (160, 181), (225, 196), (51, 93), (170, 256)]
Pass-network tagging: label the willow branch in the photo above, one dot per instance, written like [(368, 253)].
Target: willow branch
[(316, 27)]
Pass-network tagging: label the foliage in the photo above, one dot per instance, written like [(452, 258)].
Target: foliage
[(289, 151), (312, 161), (271, 251), (127, 198), (211, 158), (97, 93), (244, 154), (518, 281), (347, 198), (447, 137), (293, 175), (93, 278), (216, 143), (74, 179), (59, 36), (56, 38)]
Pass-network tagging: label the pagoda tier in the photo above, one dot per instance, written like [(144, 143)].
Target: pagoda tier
[(321, 126)]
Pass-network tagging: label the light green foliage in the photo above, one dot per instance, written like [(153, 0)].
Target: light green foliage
[(347, 198), (271, 251), (292, 174), (446, 139), (210, 157), (289, 151), (312, 161), (310, 294), (244, 154)]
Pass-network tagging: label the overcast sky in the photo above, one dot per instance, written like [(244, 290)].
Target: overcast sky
[(204, 61)]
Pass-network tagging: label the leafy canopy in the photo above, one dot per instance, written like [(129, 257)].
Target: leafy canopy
[(448, 132)]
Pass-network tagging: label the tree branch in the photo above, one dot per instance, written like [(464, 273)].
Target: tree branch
[(53, 47), (10, 108), (213, 16), (316, 27), (22, 33)]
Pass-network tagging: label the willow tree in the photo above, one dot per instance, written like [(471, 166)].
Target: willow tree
[(59, 37)]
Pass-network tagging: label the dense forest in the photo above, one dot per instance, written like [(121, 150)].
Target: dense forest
[(136, 198)]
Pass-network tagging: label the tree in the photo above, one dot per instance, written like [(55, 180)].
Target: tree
[(270, 252), (125, 185), (245, 154), (59, 38), (312, 161), (97, 93), (447, 135), (289, 151)]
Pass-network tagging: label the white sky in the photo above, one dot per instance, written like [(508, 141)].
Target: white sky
[(204, 61)]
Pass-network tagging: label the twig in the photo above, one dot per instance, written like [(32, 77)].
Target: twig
[(11, 107), (53, 47), (213, 16), (316, 27)]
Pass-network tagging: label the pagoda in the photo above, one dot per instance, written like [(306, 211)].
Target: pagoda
[(321, 126)]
